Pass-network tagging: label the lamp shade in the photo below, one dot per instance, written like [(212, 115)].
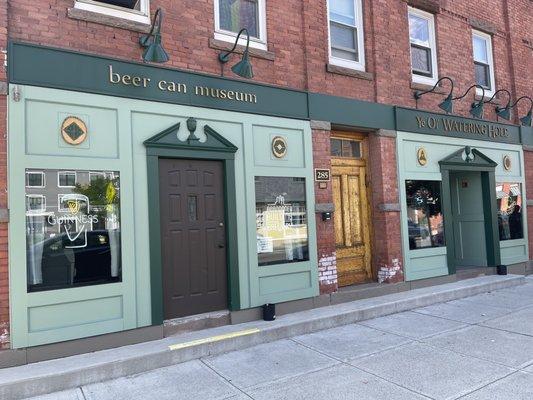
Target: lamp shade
[(504, 113), (155, 52), (447, 104), (244, 67), (526, 121), (477, 110)]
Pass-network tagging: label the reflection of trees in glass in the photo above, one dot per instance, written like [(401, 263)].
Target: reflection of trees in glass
[(509, 203), (425, 220)]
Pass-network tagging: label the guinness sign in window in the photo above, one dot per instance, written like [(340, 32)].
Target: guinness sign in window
[(73, 231)]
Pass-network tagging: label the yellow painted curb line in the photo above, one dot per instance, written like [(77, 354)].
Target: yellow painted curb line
[(213, 339)]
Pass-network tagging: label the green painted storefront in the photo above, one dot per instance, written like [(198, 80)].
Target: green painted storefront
[(133, 122)]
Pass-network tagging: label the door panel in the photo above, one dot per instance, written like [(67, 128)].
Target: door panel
[(192, 237), (468, 219), (351, 217)]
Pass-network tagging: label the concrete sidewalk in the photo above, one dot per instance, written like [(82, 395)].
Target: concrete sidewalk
[(437, 351)]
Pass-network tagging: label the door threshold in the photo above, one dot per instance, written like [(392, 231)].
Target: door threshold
[(196, 322)]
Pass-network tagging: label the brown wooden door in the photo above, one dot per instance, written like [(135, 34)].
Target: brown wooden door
[(193, 243), (352, 224)]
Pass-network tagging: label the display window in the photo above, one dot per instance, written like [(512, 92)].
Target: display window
[(74, 238), (509, 203)]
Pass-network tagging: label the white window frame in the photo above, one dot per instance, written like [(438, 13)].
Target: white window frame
[(35, 173), (425, 80), (341, 62), (228, 36), (488, 40), (67, 172), (43, 208), (142, 15)]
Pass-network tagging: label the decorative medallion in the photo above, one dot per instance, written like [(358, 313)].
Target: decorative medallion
[(507, 165), (279, 147), (421, 156), (74, 131)]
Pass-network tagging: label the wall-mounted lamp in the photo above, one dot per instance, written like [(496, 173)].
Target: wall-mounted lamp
[(506, 111), (502, 112), (476, 110), (447, 104), (244, 67), (154, 51)]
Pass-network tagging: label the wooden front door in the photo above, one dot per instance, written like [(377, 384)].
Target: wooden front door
[(192, 236), (352, 222)]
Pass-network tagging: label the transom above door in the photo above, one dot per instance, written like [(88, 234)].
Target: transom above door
[(352, 211)]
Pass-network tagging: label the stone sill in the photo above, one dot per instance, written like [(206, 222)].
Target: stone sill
[(98, 18), (226, 46), (335, 69), (422, 88)]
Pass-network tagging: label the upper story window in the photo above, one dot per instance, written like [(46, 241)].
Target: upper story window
[(66, 179), (134, 10), (233, 15), (346, 38), (483, 62), (423, 47), (35, 179)]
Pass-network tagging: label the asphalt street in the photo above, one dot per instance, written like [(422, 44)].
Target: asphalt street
[(480, 347)]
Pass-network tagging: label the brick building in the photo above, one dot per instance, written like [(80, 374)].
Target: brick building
[(334, 81)]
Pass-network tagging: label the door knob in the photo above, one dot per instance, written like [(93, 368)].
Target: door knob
[(221, 224)]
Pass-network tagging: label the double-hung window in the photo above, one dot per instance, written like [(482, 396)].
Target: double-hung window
[(346, 37), (483, 62), (134, 10), (67, 179), (35, 179), (423, 47), (233, 15)]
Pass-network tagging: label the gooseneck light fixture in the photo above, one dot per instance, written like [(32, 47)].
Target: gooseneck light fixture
[(154, 51), (243, 68), (447, 104), (502, 112), (525, 120), (476, 110)]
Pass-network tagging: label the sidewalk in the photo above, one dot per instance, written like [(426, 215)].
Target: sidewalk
[(438, 351)]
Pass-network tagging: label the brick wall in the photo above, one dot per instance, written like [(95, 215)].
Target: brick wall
[(327, 264)]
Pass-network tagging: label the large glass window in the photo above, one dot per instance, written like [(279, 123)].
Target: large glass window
[(346, 33), (281, 219), (423, 46), (509, 202), (74, 238), (424, 214)]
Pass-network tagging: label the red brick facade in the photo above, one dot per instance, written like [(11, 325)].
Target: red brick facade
[(297, 57)]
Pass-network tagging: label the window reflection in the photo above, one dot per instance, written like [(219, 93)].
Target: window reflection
[(425, 220), (509, 203), (73, 230), (281, 220)]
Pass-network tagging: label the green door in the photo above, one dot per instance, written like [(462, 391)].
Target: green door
[(468, 219)]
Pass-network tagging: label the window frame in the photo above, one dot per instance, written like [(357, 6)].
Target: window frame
[(142, 15), (430, 18), (488, 41), (36, 172), (229, 36), (43, 208), (67, 172), (359, 27)]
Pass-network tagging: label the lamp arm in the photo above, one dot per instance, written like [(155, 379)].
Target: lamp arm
[(498, 91), (223, 57), (469, 89), (420, 94), (521, 98), (145, 38)]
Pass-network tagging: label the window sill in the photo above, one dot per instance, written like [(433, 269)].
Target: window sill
[(335, 69), (422, 87), (103, 19), (257, 53)]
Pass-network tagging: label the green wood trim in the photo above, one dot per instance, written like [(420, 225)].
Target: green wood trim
[(448, 223), (156, 267), (490, 210), (158, 147)]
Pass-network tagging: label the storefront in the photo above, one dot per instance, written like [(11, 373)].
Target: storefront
[(145, 194)]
